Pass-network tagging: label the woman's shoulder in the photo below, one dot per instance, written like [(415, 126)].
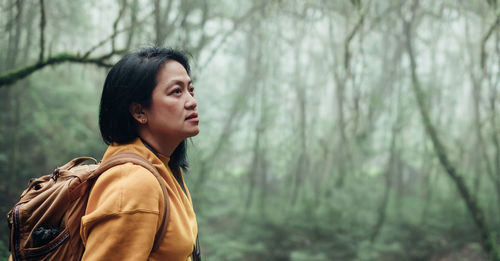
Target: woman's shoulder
[(131, 175), (127, 187)]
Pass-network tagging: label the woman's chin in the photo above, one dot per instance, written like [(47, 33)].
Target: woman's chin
[(193, 132)]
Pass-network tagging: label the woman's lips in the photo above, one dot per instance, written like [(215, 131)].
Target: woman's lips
[(193, 117)]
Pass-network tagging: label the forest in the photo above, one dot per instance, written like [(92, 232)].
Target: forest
[(330, 130)]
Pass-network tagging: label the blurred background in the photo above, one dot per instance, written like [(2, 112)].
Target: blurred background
[(330, 130)]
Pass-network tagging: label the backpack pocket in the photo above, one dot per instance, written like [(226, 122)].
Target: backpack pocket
[(47, 248), (20, 251)]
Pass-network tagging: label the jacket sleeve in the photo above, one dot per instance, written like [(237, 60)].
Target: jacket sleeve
[(122, 215)]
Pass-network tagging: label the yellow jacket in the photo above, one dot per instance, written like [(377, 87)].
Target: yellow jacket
[(126, 207)]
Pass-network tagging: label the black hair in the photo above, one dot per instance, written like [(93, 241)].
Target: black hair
[(132, 79)]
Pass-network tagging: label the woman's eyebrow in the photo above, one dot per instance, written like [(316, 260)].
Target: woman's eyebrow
[(175, 82)]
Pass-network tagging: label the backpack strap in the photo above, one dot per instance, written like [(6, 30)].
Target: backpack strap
[(131, 157)]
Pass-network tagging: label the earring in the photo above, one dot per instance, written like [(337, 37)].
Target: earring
[(143, 120)]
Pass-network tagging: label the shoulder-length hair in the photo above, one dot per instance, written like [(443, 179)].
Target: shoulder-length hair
[(132, 79)]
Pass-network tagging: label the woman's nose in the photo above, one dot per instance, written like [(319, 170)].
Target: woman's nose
[(191, 102)]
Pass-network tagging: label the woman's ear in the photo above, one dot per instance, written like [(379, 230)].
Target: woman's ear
[(138, 113)]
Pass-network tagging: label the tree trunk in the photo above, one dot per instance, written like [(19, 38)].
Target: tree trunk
[(301, 169), (487, 238), (253, 170), (15, 36), (162, 27), (388, 178), (342, 76), (11, 97)]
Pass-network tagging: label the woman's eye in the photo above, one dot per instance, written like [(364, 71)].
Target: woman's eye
[(177, 91)]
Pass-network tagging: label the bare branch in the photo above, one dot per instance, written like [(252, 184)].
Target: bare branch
[(114, 34), (355, 29), (103, 42), (236, 24), (13, 76), (101, 61)]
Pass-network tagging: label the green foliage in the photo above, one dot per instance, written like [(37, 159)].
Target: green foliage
[(4, 251)]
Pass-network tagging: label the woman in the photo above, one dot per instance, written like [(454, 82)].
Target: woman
[(147, 107)]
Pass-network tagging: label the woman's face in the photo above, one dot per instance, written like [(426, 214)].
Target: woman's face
[(172, 113)]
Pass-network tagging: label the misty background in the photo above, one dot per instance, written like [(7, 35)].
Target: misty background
[(330, 130)]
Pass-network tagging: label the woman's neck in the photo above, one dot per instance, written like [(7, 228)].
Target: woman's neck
[(163, 146)]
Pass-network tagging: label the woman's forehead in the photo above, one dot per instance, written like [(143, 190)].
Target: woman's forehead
[(173, 71)]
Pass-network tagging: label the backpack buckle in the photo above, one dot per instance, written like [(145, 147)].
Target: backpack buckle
[(56, 174)]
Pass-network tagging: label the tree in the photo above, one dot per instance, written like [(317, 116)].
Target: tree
[(487, 239)]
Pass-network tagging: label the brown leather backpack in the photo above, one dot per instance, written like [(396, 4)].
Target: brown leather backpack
[(45, 223)]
